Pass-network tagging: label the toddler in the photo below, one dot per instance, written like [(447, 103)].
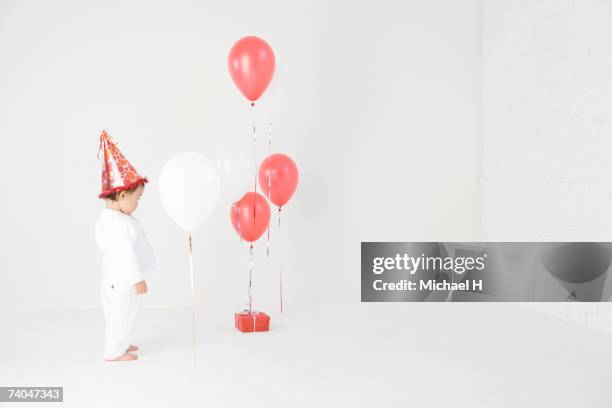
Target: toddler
[(127, 255)]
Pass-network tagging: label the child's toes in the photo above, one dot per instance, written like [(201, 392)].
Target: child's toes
[(125, 357)]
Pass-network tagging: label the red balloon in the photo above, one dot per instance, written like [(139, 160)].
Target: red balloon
[(278, 178), (250, 216), (251, 64)]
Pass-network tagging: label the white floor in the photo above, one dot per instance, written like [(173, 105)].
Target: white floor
[(424, 355)]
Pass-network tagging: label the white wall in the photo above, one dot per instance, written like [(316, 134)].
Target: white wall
[(383, 120), (547, 127)]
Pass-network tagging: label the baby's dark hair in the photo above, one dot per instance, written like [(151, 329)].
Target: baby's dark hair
[(115, 195)]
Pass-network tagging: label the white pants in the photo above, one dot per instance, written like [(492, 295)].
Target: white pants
[(121, 306)]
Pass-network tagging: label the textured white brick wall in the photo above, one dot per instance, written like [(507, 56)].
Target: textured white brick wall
[(547, 128)]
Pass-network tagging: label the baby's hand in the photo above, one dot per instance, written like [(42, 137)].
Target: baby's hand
[(141, 287)]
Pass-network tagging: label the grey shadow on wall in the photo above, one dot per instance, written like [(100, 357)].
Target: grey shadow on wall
[(580, 267)]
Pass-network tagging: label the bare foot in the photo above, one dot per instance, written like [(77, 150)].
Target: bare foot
[(125, 357), (132, 348)]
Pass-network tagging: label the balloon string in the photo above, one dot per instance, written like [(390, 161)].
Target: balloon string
[(280, 271), (254, 204), (193, 304), (254, 149), (250, 278), (254, 161), (269, 182)]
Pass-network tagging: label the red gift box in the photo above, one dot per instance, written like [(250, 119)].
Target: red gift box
[(248, 322)]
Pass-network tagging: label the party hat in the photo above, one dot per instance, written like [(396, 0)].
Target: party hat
[(117, 173)]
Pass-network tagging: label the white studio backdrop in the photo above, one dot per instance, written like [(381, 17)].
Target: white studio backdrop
[(381, 113), (547, 120)]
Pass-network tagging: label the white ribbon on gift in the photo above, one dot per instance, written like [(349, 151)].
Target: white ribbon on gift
[(253, 314)]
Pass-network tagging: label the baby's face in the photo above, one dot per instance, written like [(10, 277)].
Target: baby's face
[(128, 201)]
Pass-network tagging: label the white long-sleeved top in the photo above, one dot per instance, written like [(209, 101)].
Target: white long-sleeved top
[(127, 255)]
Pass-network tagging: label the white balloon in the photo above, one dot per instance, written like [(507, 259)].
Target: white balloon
[(189, 189), (236, 169)]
